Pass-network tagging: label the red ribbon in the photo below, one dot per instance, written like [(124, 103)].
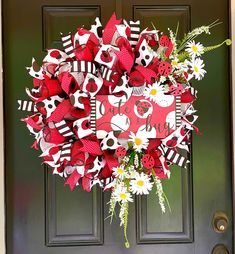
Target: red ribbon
[(73, 179), (91, 147), (67, 81), (125, 58), (147, 73), (30, 121), (110, 29)]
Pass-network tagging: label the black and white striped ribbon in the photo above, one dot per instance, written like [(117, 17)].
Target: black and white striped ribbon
[(178, 113), (104, 183), (27, 106), (106, 73), (65, 152), (68, 44), (63, 129), (83, 66), (107, 182), (173, 156), (93, 114), (135, 32), (193, 91)]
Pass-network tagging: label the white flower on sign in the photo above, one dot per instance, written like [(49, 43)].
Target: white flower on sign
[(156, 93)]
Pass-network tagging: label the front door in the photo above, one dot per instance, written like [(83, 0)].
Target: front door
[(43, 217)]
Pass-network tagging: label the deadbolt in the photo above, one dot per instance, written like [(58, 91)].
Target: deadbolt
[(220, 222), (220, 249)]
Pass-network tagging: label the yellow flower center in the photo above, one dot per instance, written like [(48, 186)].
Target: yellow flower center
[(120, 171), (138, 141), (140, 183), (195, 68), (174, 62), (123, 196), (153, 91), (195, 48)]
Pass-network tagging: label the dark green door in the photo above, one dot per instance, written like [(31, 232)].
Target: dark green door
[(43, 217)]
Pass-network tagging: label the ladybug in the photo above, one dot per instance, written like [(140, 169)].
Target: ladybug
[(91, 85), (120, 151), (164, 68), (172, 142), (176, 90), (142, 107), (56, 54), (169, 49), (105, 57), (148, 161), (164, 41)]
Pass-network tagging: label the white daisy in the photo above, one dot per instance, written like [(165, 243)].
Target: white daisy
[(141, 184), (119, 172), (194, 49), (196, 66), (152, 92), (131, 172), (122, 195), (139, 142), (162, 79), (175, 63), (156, 93)]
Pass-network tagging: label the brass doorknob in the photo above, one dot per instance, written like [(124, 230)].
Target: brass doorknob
[(220, 222), (220, 249)]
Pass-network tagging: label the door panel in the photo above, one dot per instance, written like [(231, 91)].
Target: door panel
[(42, 215), (65, 212), (172, 227)]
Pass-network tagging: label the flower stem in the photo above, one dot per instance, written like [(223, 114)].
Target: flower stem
[(126, 210), (209, 48)]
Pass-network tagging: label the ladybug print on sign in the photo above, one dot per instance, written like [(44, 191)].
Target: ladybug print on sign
[(143, 108)]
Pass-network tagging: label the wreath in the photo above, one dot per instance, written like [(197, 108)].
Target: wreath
[(115, 108)]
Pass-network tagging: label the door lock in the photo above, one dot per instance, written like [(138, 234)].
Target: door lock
[(220, 222), (220, 249)]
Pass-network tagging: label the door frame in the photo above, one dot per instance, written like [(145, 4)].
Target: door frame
[(2, 150), (2, 165)]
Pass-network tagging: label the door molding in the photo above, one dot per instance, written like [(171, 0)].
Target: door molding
[(2, 177)]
